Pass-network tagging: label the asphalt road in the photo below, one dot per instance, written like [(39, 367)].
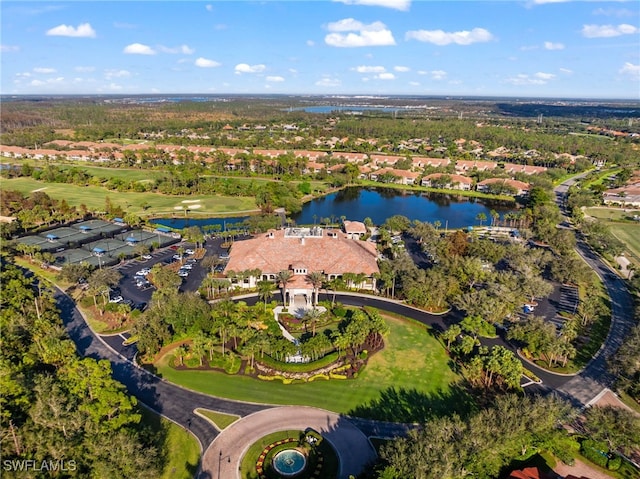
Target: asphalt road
[(222, 458)]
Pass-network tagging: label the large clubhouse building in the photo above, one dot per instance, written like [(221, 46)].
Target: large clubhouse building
[(303, 251)]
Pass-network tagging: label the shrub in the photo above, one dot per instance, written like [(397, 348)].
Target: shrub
[(363, 354), (614, 463), (595, 452), (339, 311)]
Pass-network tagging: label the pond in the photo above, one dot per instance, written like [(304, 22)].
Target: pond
[(357, 203)]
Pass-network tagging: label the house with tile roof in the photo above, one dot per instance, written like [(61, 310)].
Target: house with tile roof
[(354, 229), (454, 182), (403, 177), (465, 165), (302, 251), (526, 169), (351, 157), (520, 188)]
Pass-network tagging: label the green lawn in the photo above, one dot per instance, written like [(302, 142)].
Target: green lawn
[(412, 361), (220, 420), (180, 449), (629, 234), (94, 197), (622, 228), (128, 174)]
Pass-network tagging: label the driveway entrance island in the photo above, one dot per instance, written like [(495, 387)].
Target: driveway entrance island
[(223, 457)]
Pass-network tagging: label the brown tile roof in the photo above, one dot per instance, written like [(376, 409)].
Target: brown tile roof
[(354, 227), (332, 255), (454, 178)]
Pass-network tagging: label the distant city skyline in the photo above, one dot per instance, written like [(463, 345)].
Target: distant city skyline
[(528, 48)]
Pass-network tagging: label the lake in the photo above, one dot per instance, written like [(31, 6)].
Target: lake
[(357, 203)]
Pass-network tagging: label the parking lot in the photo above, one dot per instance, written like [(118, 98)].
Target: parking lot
[(132, 287)]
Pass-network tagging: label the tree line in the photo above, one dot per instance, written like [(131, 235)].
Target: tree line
[(56, 406)]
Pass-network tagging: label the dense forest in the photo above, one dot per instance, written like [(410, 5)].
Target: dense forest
[(59, 409)]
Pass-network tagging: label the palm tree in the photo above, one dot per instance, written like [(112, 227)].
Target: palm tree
[(265, 290), (284, 277), (481, 217), (316, 278), (312, 316)]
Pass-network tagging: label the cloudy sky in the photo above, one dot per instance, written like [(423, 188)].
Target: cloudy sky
[(535, 48)]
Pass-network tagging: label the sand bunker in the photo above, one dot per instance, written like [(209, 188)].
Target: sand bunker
[(191, 201)]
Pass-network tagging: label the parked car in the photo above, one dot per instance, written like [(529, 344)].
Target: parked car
[(143, 272), (183, 273), (187, 266), (177, 257), (189, 252), (147, 256), (116, 299)]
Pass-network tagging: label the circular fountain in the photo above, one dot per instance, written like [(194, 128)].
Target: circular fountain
[(289, 462)]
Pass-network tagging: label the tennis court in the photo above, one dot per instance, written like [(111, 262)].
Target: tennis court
[(101, 227), (111, 247)]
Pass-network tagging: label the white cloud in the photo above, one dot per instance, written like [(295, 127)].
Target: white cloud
[(604, 31), (245, 68), (50, 81), (396, 4), (275, 79), (401, 69), (374, 34), (386, 76), (293, 71), (139, 49), (353, 25), (544, 76), (9, 48), (44, 70), (328, 81), (369, 69), (85, 69), (184, 49), (539, 78), (209, 8), (438, 74), (110, 74), (414, 83), (631, 70), (440, 37), (566, 71), (310, 43), (84, 30), (206, 63), (614, 12), (553, 46), (423, 72)]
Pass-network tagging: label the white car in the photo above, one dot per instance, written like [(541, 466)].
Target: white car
[(143, 272), (187, 266), (183, 274), (189, 251), (116, 299), (177, 256), (146, 256)]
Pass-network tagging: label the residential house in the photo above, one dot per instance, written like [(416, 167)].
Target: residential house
[(457, 182)]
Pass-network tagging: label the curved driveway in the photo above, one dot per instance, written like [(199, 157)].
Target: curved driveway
[(223, 457)]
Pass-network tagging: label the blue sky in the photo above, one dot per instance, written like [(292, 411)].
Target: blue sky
[(527, 48)]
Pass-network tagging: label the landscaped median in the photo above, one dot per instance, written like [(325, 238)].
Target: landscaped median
[(412, 360)]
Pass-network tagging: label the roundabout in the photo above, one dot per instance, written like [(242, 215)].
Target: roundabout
[(224, 455)]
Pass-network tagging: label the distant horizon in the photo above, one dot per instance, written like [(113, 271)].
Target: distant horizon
[(556, 49), (327, 97)]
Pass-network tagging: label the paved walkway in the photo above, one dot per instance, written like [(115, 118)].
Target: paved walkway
[(222, 459), (580, 470)]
